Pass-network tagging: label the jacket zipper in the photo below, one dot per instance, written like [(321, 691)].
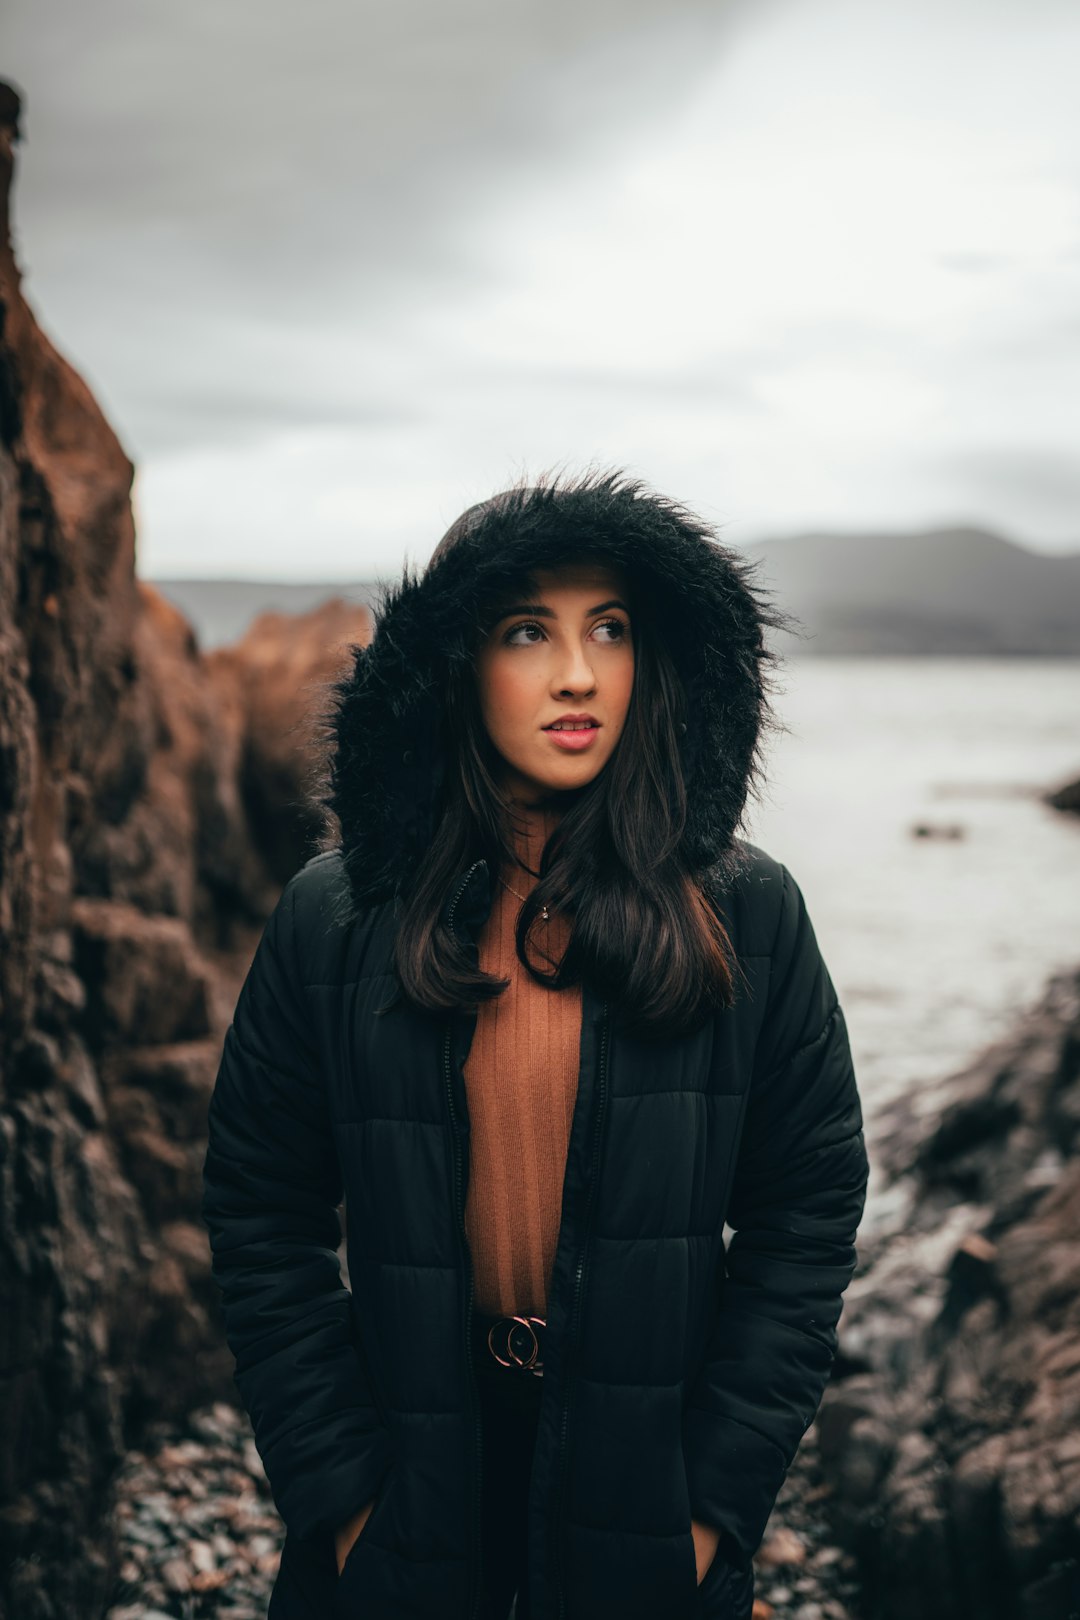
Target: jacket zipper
[(459, 1202), (579, 1276)]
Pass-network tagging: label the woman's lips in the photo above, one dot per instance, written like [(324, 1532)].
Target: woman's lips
[(574, 740)]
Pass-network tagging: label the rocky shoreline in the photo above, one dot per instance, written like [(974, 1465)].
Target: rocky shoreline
[(950, 1431), (197, 1531)]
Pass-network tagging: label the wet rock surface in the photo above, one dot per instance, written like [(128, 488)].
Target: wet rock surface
[(951, 1433)]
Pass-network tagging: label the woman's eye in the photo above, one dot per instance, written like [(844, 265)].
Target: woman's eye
[(510, 634), (616, 625)]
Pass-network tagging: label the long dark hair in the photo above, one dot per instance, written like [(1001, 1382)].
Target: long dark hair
[(636, 866), (644, 931)]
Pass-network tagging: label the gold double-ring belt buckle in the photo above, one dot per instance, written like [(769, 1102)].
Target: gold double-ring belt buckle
[(529, 1363)]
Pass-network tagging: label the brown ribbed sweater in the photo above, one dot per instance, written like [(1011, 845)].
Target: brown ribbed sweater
[(521, 1079)]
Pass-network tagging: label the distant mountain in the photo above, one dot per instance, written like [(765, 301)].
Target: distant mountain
[(946, 591)]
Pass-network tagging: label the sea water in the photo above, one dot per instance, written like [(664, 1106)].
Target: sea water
[(936, 944)]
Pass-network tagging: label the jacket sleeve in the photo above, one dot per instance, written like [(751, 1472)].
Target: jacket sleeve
[(798, 1193), (271, 1190)]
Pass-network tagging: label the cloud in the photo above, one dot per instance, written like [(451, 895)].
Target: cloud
[(1014, 480), (339, 274)]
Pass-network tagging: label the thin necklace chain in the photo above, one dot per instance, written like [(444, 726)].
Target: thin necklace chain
[(544, 914)]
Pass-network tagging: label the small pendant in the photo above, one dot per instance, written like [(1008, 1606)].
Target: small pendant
[(544, 914)]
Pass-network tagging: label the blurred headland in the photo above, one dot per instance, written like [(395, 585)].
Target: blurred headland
[(942, 591)]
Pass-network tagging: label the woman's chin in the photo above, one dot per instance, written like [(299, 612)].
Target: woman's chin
[(572, 775), (540, 792), (546, 778)]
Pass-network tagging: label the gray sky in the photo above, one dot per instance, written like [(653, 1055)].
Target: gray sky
[(336, 272)]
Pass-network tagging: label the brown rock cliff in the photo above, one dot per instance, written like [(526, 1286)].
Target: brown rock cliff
[(151, 804)]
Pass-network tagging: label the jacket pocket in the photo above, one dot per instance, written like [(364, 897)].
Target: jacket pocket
[(726, 1591), (358, 1538), (352, 1582)]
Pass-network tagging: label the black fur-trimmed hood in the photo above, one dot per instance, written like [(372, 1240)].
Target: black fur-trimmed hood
[(385, 759)]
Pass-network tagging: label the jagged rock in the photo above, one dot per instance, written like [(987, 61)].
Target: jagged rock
[(150, 804), (277, 675), (952, 1442), (144, 977), (179, 1077)]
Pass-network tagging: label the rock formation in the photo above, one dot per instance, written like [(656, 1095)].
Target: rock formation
[(951, 1437), (1066, 797), (151, 804)]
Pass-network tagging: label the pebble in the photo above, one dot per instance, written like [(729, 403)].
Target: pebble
[(202, 1557), (176, 1575), (800, 1572), (781, 1546), (199, 1535)]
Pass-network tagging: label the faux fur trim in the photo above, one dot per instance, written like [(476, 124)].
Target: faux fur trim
[(385, 759)]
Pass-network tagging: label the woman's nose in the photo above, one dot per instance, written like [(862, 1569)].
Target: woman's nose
[(574, 671)]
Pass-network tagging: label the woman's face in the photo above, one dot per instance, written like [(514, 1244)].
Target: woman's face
[(564, 651)]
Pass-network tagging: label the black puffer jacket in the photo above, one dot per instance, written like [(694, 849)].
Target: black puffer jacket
[(680, 1376)]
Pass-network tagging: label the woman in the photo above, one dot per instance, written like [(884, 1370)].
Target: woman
[(549, 1025)]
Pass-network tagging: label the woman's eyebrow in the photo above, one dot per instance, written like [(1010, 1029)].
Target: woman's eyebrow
[(543, 612)]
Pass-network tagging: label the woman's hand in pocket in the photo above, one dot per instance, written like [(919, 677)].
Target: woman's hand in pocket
[(706, 1541), (346, 1536)]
